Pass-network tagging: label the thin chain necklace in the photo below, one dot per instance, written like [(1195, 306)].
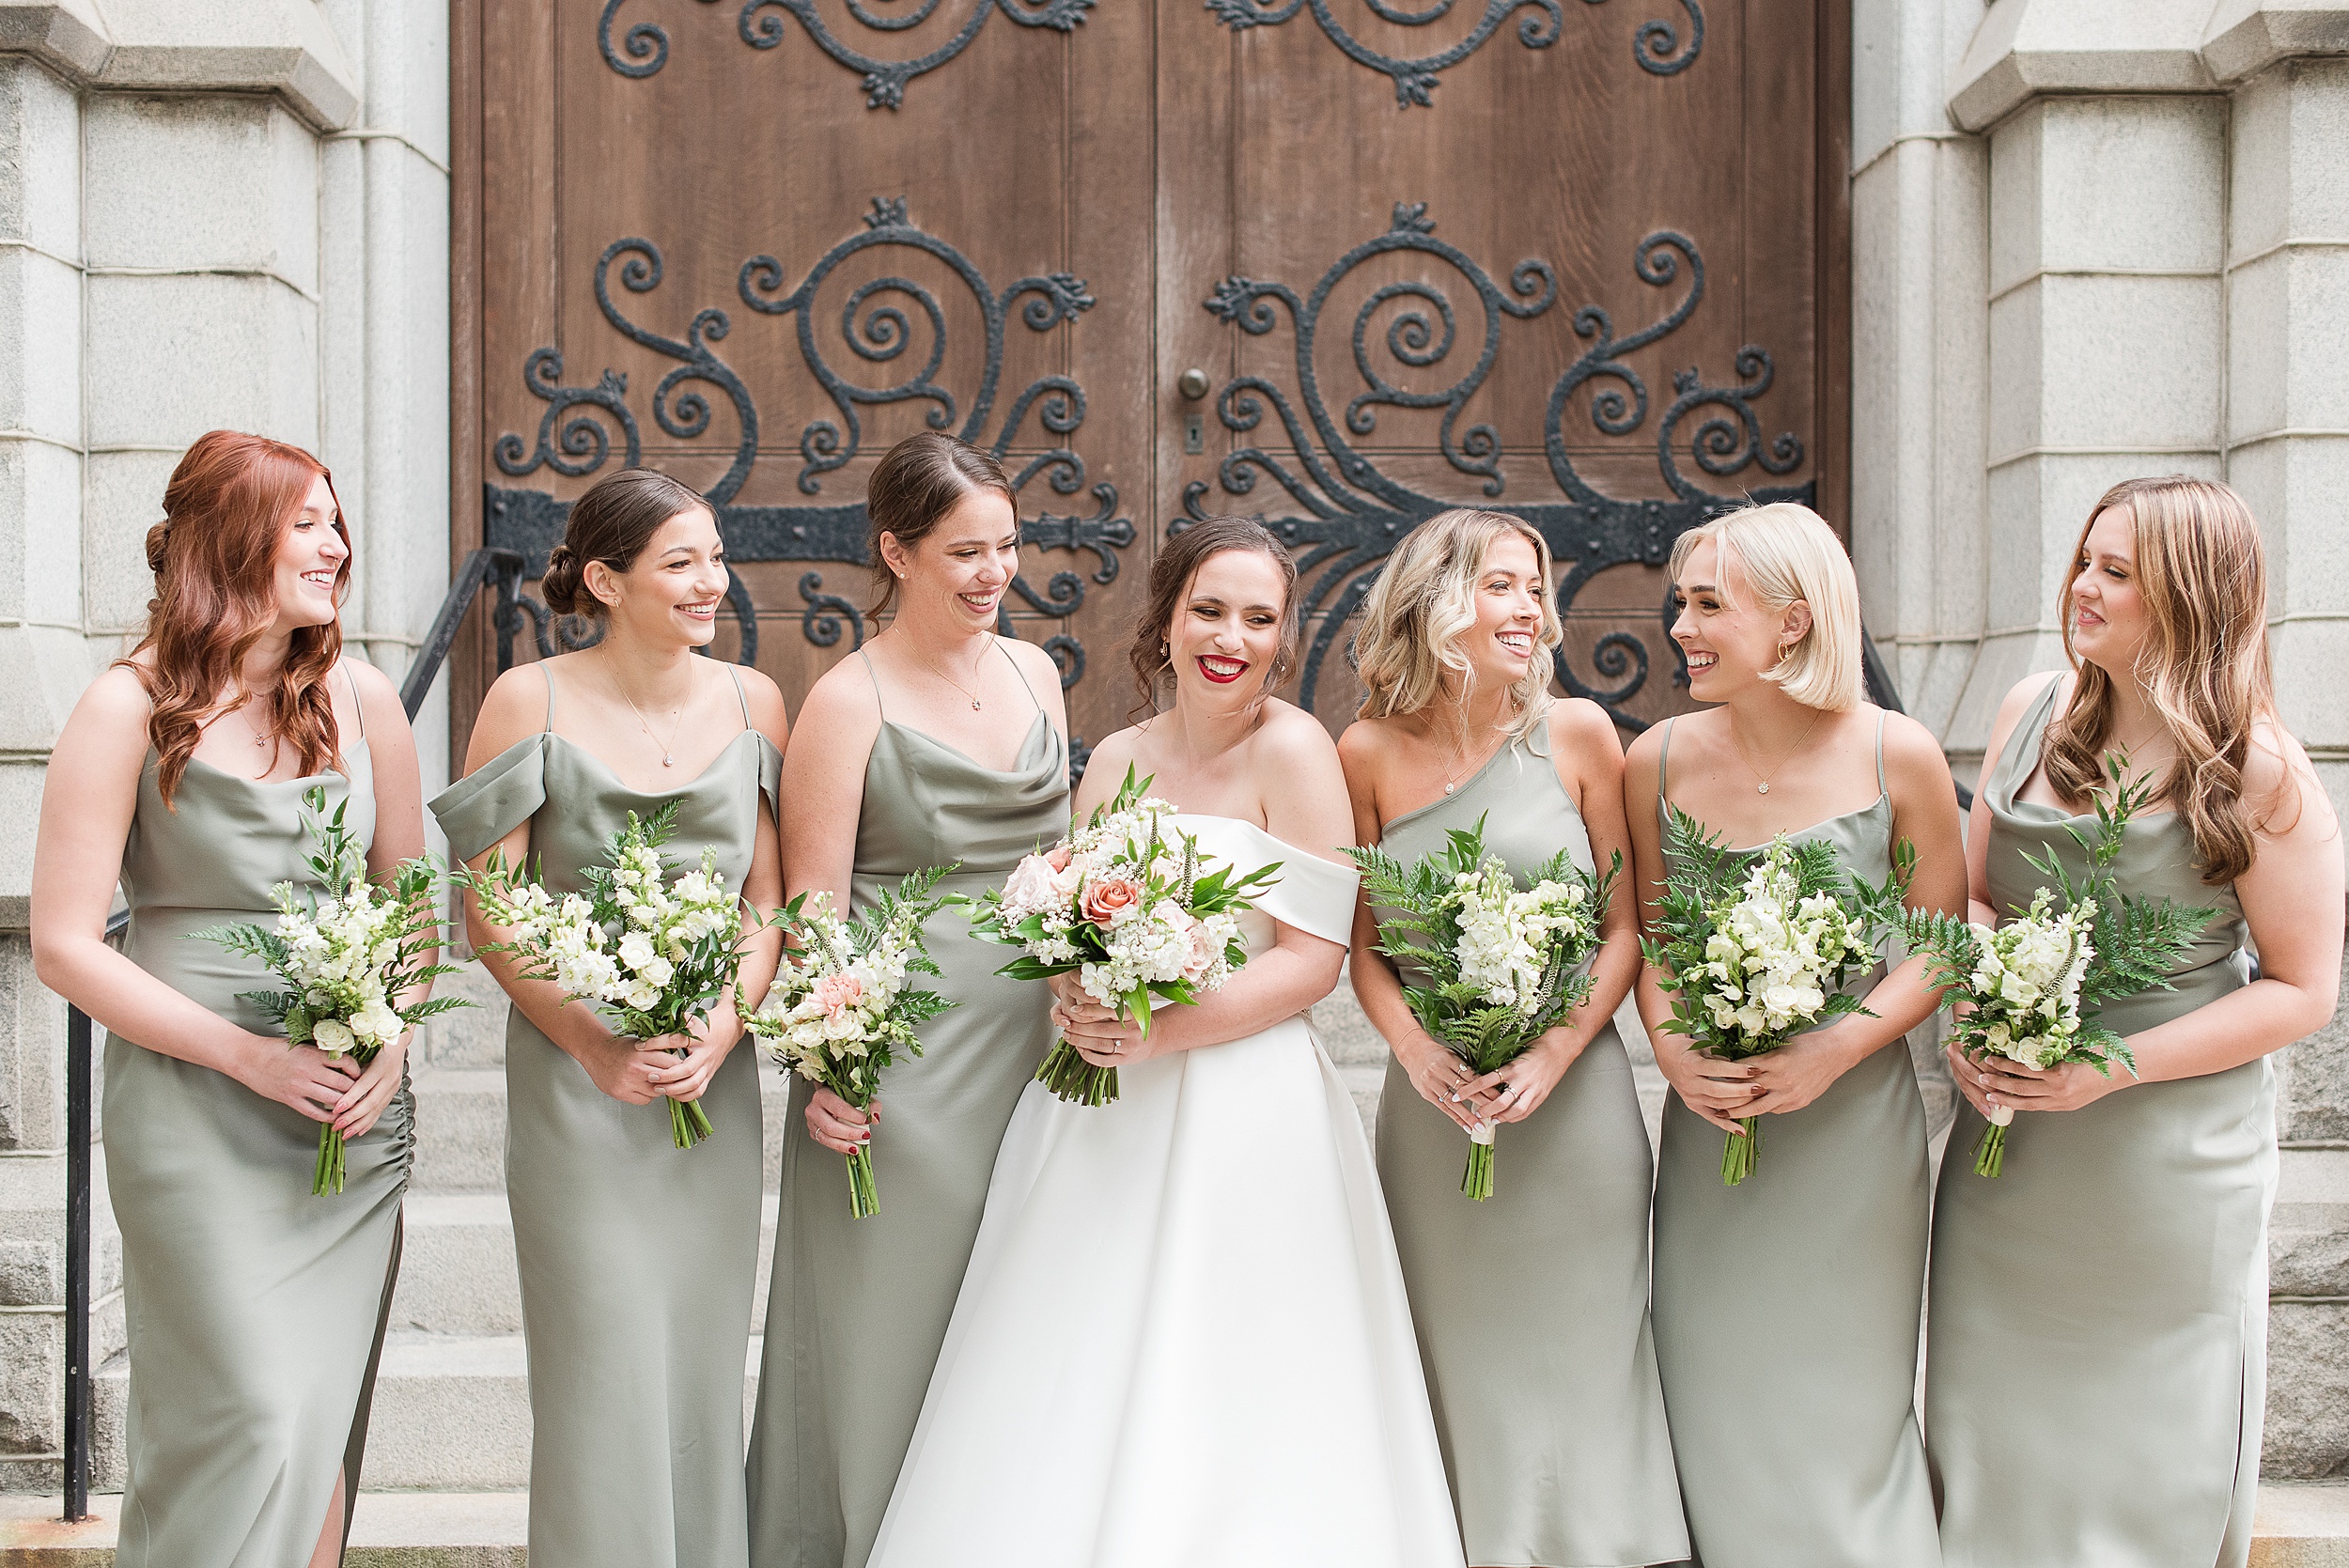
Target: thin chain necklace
[(1762, 786), (668, 748), (1459, 755), (976, 707)]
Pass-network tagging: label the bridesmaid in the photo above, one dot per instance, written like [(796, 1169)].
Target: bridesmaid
[(2096, 1366), (1556, 1444), (637, 1258), (255, 1310), (940, 744), (1786, 1308)]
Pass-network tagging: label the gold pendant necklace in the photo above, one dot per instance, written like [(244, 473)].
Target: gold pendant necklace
[(975, 705), (668, 756), (1763, 787)]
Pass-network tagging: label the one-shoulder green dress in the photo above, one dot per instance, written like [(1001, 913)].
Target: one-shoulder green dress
[(1531, 1307), (1786, 1307), (637, 1258), (857, 1308), (2097, 1358), (255, 1310)]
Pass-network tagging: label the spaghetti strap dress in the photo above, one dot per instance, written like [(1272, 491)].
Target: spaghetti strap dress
[(637, 1258), (255, 1310), (857, 1308), (1557, 1450), (2096, 1360), (1786, 1307)]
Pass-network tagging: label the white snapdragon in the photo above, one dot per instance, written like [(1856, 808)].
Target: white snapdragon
[(2025, 983)]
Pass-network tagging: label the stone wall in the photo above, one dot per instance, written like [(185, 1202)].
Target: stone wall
[(212, 212)]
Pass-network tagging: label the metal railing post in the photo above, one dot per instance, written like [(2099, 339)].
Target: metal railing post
[(77, 1263)]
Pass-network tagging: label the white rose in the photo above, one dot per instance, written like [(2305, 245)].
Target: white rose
[(332, 1037)]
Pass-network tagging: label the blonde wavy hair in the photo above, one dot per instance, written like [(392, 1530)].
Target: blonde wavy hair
[(1789, 555), (1424, 602), (2203, 571)]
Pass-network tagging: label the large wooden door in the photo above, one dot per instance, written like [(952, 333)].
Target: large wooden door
[(1580, 259)]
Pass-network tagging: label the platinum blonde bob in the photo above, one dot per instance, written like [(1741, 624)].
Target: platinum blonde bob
[(1423, 606), (1788, 554)]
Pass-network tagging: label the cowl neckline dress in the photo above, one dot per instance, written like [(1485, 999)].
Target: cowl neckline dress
[(637, 1259), (1558, 1449), (2097, 1362), (254, 1310), (1786, 1307), (857, 1308)]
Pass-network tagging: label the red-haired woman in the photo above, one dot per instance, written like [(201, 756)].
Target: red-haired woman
[(255, 1309)]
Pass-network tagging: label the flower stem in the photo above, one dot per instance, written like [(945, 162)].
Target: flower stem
[(327, 1176), (1478, 1180), (1990, 1150), (1075, 1079), (688, 1125), (1740, 1151), (863, 1198)]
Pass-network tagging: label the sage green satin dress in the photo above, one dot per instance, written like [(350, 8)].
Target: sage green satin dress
[(255, 1310), (2096, 1364), (1786, 1307), (637, 1258), (857, 1309), (1531, 1307)]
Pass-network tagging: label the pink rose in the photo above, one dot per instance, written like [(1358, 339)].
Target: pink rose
[(836, 993), (1205, 948), (1030, 887), (1057, 857), (1102, 901)]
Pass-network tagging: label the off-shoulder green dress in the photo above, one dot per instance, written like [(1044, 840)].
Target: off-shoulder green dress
[(255, 1310), (1786, 1307), (857, 1308), (637, 1258), (1531, 1307), (2096, 1359)]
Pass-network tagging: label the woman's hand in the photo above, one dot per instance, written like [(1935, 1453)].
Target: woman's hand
[(838, 1125), (622, 1070), (705, 1044), (1719, 1091), (303, 1077), (357, 1112), (2068, 1087), (1968, 1074), (1442, 1078), (1800, 1071), (1516, 1089), (1096, 1032)]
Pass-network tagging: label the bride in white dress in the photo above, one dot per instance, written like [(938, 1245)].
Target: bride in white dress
[(1183, 1337)]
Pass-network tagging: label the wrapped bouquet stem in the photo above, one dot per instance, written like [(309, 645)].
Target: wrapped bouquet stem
[(2032, 987), (1755, 950), (840, 1009), (654, 951), (1126, 905), (345, 958), (1502, 964)]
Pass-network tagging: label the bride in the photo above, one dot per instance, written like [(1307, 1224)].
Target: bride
[(1183, 1337)]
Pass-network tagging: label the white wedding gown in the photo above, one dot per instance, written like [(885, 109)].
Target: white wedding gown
[(1183, 1340)]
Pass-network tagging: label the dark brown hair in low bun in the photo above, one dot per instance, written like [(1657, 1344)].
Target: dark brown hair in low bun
[(923, 478), (613, 523), (1178, 561)]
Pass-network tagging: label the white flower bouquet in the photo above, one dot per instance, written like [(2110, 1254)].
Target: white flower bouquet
[(1123, 903), (654, 952), (345, 957), (1502, 963), (839, 1015), (2030, 988), (1756, 951)]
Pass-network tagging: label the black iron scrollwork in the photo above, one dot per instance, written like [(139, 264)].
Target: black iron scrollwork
[(881, 321), (1657, 45), (1351, 514), (643, 49)]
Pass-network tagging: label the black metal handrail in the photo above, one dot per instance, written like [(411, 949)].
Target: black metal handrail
[(477, 570)]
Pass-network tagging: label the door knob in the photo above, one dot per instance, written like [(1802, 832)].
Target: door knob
[(1192, 384)]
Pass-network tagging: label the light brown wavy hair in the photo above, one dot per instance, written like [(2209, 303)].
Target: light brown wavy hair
[(214, 556), (2203, 571), (1424, 602), (1178, 560)]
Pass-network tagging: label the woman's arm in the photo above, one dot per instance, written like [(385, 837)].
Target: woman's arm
[(1589, 758), (1436, 1072), (398, 836), (87, 801), (1924, 813)]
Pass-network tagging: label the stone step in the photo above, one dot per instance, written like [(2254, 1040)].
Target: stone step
[(2309, 1237), (456, 1276)]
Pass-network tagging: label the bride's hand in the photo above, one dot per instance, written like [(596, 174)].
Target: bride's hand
[(1097, 1035), (838, 1125)]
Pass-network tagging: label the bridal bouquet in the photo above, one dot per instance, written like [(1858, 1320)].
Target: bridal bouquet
[(1502, 963), (840, 1014), (1756, 953), (1123, 902), (2033, 986), (654, 952), (345, 956)]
